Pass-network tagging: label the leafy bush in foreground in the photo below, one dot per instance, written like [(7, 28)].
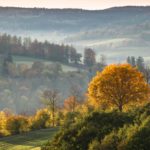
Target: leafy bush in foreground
[(106, 131), (79, 135), (131, 137)]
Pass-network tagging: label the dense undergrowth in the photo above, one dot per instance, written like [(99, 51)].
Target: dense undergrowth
[(105, 131)]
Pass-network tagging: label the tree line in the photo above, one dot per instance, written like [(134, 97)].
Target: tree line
[(142, 66), (33, 48), (13, 45)]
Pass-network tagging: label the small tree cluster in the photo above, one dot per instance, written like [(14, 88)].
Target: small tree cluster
[(11, 124), (141, 65), (34, 48)]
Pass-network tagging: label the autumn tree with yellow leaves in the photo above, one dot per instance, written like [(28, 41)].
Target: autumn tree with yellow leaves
[(118, 85)]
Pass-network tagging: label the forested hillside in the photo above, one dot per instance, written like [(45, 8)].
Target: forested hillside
[(115, 32)]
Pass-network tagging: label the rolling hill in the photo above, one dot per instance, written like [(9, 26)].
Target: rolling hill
[(116, 32)]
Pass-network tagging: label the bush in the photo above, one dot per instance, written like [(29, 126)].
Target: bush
[(17, 124), (139, 140), (11, 124), (78, 135), (41, 119), (109, 142), (94, 145), (71, 118), (105, 131), (141, 113), (132, 137), (3, 118)]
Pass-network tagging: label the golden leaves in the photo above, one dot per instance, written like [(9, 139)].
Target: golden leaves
[(118, 85)]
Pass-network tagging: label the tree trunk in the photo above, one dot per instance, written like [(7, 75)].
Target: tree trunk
[(53, 115), (120, 108)]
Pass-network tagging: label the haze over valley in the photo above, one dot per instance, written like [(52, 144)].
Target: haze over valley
[(116, 32), (75, 75)]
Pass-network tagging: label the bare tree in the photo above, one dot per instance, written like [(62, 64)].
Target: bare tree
[(50, 98), (76, 91), (71, 103), (75, 97)]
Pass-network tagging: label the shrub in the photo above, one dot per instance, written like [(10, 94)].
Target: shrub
[(132, 137), (94, 145), (3, 119), (17, 124), (71, 118), (41, 119), (139, 140), (110, 142), (78, 135)]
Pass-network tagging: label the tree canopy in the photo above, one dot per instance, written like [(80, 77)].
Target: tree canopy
[(118, 85)]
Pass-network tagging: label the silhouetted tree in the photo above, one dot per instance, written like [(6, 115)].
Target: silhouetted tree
[(140, 63), (89, 57)]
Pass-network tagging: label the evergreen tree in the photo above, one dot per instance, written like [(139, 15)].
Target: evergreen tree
[(133, 61), (140, 63), (129, 60), (89, 57)]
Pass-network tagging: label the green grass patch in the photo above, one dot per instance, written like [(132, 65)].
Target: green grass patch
[(27, 141), (29, 61)]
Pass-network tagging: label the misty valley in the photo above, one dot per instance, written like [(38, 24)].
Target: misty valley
[(75, 79)]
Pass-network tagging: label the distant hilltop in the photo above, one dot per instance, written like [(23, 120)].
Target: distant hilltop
[(117, 32), (133, 8)]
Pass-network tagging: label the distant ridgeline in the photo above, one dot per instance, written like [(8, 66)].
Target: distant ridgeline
[(26, 47), (117, 32)]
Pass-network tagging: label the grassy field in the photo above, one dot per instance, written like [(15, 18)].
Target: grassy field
[(29, 61), (28, 141)]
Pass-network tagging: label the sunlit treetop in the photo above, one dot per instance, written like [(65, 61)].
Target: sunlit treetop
[(118, 86)]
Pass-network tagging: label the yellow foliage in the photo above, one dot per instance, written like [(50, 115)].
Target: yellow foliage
[(42, 119), (12, 124), (83, 109), (17, 124), (3, 119), (118, 85)]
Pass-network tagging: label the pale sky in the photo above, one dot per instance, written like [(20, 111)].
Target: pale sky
[(85, 4)]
